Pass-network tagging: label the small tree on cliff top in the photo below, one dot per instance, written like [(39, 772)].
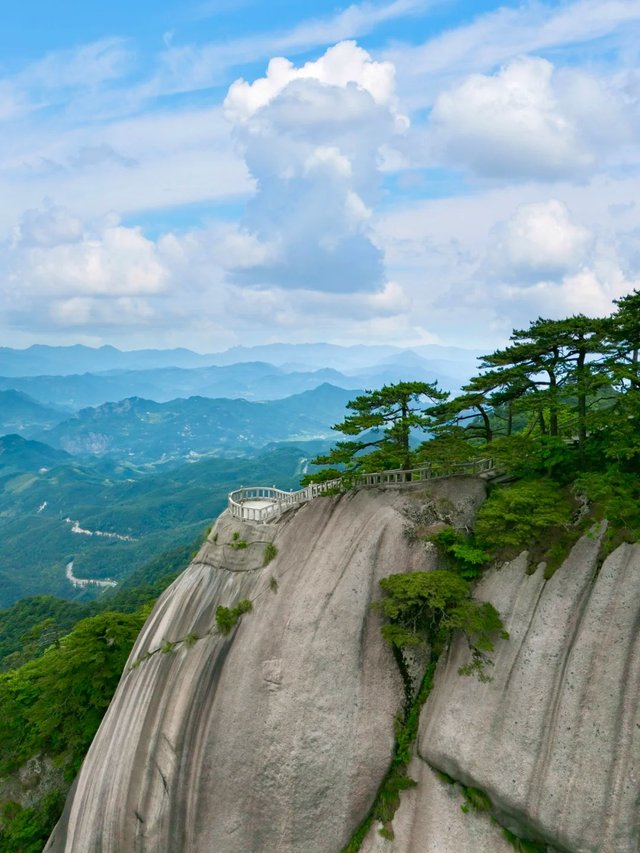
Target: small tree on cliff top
[(387, 417)]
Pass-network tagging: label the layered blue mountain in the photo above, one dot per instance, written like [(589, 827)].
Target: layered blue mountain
[(40, 360), (20, 413), (144, 431), (19, 456)]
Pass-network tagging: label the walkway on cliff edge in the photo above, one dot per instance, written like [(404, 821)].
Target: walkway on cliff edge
[(267, 503)]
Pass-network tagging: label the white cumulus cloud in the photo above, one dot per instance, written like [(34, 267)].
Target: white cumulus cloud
[(540, 240), (312, 138), (542, 261), (343, 65), (60, 271), (528, 120)]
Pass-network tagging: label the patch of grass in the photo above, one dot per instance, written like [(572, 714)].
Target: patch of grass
[(270, 553), (475, 799), (227, 617), (273, 584), (523, 845), (191, 639), (238, 543), (167, 647)]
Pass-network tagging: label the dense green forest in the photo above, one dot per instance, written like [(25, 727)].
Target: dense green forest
[(157, 511), (65, 660), (558, 409)]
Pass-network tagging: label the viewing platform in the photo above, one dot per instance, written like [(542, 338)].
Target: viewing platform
[(267, 503)]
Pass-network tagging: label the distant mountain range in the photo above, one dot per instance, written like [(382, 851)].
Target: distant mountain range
[(108, 458), (251, 380), (40, 360), (143, 431), (20, 413), (255, 380)]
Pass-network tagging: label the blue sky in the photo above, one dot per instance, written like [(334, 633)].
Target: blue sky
[(411, 171)]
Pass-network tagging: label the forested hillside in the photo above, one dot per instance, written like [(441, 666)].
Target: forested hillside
[(65, 660), (110, 518)]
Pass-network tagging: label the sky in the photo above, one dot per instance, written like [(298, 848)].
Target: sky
[(207, 173)]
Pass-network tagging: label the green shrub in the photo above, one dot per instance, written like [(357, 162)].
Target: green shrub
[(429, 606), (522, 845), (617, 498), (26, 830), (523, 455), (463, 555), (273, 584), (237, 543), (270, 553), (518, 515), (475, 800), (227, 617), (80, 675)]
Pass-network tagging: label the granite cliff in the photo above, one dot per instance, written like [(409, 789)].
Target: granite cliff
[(276, 737)]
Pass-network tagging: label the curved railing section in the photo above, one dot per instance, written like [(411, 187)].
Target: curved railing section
[(265, 503)]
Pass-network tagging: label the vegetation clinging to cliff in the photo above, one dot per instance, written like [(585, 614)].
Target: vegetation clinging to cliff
[(427, 607), (424, 609), (227, 617), (559, 409)]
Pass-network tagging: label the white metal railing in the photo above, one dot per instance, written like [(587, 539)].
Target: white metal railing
[(280, 501)]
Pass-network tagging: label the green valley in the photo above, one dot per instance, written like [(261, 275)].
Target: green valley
[(111, 518)]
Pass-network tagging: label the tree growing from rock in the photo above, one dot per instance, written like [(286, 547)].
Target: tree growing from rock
[(385, 419)]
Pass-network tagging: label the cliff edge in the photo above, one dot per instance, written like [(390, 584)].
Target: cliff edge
[(276, 737)]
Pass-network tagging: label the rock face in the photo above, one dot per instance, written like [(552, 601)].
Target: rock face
[(554, 739), (275, 738), (430, 820)]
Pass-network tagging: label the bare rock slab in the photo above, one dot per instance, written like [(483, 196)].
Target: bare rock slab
[(554, 739), (275, 738)]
